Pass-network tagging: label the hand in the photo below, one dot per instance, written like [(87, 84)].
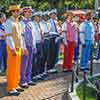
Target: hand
[(3, 36), (22, 51), (96, 37), (65, 44), (25, 52), (34, 50), (14, 52), (83, 45), (75, 45), (56, 40), (42, 40), (92, 45)]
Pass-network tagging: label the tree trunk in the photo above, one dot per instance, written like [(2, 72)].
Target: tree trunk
[(56, 3)]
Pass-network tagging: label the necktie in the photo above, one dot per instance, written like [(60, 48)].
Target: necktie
[(40, 31), (55, 26)]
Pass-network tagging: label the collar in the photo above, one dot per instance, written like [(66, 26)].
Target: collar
[(24, 18), (15, 19)]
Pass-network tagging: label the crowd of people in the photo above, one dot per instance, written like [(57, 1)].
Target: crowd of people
[(30, 42)]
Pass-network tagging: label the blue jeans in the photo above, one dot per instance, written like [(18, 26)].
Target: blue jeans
[(85, 54), (3, 54)]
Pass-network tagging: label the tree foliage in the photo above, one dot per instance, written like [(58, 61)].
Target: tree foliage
[(47, 4)]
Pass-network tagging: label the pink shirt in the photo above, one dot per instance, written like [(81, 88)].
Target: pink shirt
[(71, 32)]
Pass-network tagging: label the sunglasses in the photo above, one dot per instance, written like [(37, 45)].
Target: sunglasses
[(27, 11), (15, 11)]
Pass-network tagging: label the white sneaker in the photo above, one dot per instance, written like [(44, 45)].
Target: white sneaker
[(24, 84), (13, 91)]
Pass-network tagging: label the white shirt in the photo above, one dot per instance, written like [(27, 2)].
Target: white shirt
[(99, 27), (64, 27), (8, 30), (54, 28), (37, 31), (44, 27), (22, 35)]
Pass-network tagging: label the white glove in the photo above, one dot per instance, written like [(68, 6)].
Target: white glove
[(82, 38), (56, 40), (34, 49)]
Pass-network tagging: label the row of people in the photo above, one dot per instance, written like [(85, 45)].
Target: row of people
[(33, 42), (27, 42)]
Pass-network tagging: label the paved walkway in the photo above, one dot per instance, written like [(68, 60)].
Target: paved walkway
[(53, 89)]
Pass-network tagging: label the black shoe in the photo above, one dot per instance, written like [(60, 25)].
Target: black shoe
[(35, 80), (45, 76), (14, 94), (66, 71), (20, 90), (85, 69), (24, 86), (31, 83), (53, 71), (40, 78)]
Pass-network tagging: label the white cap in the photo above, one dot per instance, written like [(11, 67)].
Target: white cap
[(45, 13), (53, 11), (38, 13)]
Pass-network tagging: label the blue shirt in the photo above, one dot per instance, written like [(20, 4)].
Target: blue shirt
[(87, 29)]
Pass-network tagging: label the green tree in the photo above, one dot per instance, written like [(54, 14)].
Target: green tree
[(46, 4)]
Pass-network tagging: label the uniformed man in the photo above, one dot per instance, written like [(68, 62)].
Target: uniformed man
[(45, 32), (54, 31), (37, 57)]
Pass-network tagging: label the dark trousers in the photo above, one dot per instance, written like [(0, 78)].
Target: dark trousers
[(37, 60), (76, 50), (57, 45), (45, 54), (52, 54)]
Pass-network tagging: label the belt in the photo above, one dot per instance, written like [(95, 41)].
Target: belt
[(22, 35), (8, 34), (46, 33), (2, 38), (39, 41), (17, 49)]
